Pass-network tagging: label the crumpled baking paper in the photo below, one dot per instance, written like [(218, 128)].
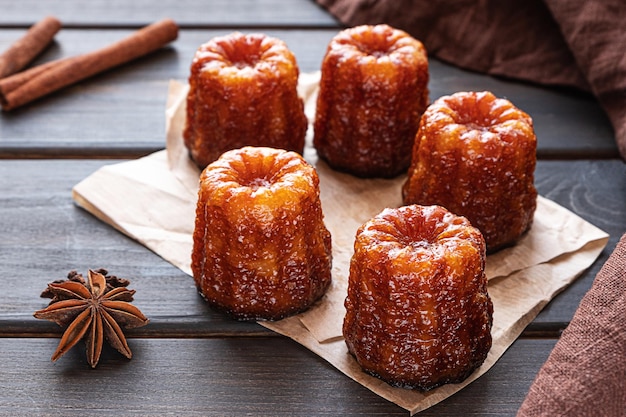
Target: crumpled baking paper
[(153, 200)]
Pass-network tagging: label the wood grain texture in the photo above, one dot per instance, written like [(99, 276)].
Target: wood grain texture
[(111, 13), (596, 191), (120, 113), (229, 377), (44, 236)]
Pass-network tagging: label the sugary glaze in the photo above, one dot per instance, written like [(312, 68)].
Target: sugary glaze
[(373, 90), (418, 314), (475, 154), (242, 91), (261, 250)]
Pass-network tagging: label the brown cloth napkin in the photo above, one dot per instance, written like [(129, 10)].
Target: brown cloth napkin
[(585, 374), (573, 43)]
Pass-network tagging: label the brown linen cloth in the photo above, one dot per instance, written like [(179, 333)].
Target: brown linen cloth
[(585, 375), (573, 43)]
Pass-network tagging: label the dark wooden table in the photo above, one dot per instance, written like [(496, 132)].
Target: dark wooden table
[(191, 360)]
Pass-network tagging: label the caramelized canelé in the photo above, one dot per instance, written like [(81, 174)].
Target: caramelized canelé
[(475, 154), (418, 314), (261, 250), (373, 90), (242, 91)]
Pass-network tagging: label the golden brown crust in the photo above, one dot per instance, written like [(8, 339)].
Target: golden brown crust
[(418, 314), (261, 250), (475, 154), (373, 90), (242, 91)]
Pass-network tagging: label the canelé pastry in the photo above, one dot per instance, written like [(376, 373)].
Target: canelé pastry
[(373, 90), (418, 314), (242, 91), (475, 155), (260, 246)]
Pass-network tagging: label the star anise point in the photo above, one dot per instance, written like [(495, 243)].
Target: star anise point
[(95, 309)]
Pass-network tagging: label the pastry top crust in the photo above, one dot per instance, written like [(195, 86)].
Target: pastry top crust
[(414, 234), (244, 56), (382, 45), (474, 119), (259, 178)]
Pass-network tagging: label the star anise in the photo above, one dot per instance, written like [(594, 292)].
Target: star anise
[(93, 310)]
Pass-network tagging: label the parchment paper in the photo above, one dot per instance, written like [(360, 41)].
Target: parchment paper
[(153, 201)]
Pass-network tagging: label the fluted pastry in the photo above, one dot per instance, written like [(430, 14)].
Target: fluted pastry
[(373, 90), (242, 91), (418, 314), (475, 154), (261, 250)]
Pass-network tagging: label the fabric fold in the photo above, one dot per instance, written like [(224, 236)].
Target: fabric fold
[(584, 374)]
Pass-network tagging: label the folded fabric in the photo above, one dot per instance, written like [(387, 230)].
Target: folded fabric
[(574, 43), (585, 374)]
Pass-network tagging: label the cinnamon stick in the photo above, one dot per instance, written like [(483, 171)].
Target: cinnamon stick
[(12, 82), (25, 49), (64, 72)]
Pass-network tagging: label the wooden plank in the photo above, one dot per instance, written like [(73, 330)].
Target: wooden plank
[(308, 45), (220, 13), (120, 113), (596, 191), (44, 235), (224, 377), (568, 124)]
